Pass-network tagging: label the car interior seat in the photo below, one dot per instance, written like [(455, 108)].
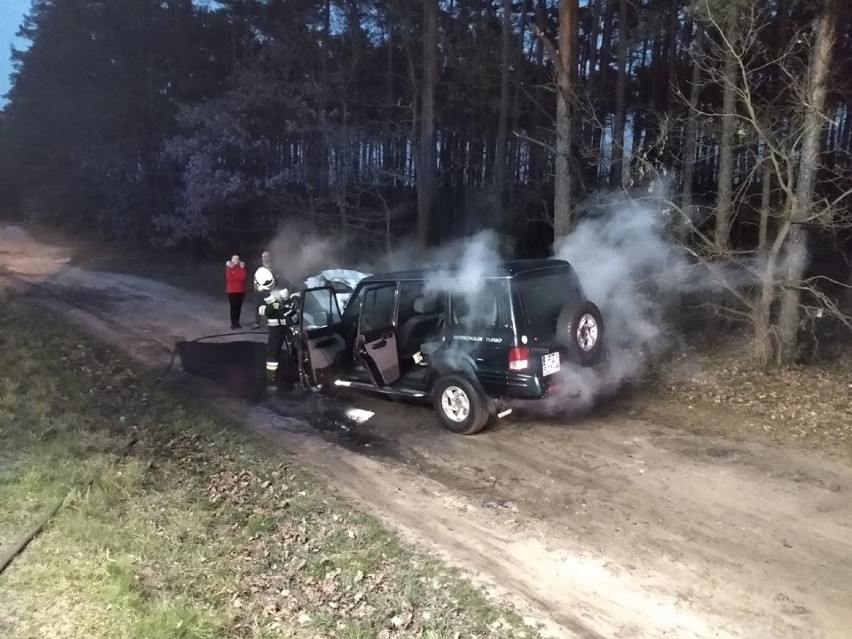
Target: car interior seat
[(423, 323)]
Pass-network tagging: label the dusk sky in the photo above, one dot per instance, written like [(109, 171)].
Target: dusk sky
[(12, 13)]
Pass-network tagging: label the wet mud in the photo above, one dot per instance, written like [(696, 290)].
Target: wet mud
[(239, 367)]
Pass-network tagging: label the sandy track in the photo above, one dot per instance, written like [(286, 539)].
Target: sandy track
[(601, 527)]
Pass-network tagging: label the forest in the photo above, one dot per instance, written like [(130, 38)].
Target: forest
[(201, 126)]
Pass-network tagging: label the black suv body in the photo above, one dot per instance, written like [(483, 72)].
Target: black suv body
[(469, 342)]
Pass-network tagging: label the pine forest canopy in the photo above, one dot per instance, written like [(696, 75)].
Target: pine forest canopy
[(181, 124)]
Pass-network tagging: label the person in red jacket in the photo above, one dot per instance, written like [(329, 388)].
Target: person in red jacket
[(235, 285)]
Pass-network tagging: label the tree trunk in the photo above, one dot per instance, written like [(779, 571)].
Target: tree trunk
[(762, 344), (323, 139), (765, 209), (388, 142), (617, 171), (847, 295), (690, 143), (566, 71), (503, 126), (820, 63), (725, 200), (426, 168), (512, 170), (589, 129)]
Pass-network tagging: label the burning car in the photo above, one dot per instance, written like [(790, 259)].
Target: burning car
[(342, 280), (468, 346)]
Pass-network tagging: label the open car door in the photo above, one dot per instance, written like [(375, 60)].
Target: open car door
[(376, 341), (321, 348)]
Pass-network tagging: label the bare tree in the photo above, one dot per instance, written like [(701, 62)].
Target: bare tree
[(787, 133), (803, 199), (426, 165), (565, 62), (503, 125), (691, 134), (615, 176), (725, 200)]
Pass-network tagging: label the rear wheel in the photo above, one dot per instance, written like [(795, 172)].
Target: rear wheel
[(462, 408), (581, 329)]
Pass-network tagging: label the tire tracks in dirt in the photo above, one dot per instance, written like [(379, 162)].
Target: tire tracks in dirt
[(598, 526)]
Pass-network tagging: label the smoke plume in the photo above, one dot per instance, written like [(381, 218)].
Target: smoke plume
[(631, 266), (298, 253), (623, 250)]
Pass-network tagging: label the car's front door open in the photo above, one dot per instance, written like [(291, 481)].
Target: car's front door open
[(320, 345), (376, 341)]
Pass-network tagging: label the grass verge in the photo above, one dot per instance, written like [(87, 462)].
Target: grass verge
[(199, 532)]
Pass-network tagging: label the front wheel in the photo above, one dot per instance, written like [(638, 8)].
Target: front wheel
[(462, 408)]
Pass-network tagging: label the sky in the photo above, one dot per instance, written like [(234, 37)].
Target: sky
[(12, 12)]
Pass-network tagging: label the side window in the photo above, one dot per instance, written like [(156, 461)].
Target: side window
[(319, 308), (353, 306), (484, 308), (378, 308)]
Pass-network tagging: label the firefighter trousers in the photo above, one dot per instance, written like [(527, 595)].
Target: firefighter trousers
[(274, 342)]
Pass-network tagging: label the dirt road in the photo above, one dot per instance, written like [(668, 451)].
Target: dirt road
[(601, 526)]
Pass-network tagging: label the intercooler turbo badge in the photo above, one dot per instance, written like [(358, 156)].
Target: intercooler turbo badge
[(478, 338)]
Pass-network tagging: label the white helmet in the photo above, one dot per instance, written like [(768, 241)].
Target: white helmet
[(264, 279)]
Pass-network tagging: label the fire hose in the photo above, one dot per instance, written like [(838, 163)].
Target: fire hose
[(25, 539), (173, 356)]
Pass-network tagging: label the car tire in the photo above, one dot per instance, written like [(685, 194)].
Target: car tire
[(581, 329), (461, 407)]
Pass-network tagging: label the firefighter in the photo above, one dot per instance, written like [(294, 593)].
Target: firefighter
[(264, 283), (279, 309)]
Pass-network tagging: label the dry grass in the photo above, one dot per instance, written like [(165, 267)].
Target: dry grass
[(717, 390), (199, 532)]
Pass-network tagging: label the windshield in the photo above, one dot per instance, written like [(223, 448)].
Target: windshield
[(544, 293)]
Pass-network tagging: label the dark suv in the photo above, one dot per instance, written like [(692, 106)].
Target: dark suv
[(468, 342)]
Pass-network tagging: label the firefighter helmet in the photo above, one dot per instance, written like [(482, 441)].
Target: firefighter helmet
[(264, 279)]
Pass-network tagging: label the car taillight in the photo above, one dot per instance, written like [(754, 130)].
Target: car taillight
[(519, 358)]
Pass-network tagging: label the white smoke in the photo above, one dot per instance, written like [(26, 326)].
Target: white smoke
[(297, 253), (459, 266), (632, 266), (624, 252)]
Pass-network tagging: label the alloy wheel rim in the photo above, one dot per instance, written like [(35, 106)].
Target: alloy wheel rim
[(455, 404), (587, 332)]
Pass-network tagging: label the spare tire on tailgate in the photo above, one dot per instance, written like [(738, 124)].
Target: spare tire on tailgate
[(580, 328)]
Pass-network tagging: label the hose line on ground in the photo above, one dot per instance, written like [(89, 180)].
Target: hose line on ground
[(25, 539), (162, 375)]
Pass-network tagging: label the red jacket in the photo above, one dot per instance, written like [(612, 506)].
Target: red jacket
[(235, 277)]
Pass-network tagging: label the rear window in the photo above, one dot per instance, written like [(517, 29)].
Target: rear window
[(544, 293)]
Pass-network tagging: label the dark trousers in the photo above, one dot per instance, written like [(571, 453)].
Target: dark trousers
[(236, 300), (274, 342), (259, 296)]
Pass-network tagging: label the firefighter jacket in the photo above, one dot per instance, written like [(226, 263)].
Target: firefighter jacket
[(279, 309)]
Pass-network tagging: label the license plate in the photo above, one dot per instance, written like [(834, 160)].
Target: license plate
[(550, 364)]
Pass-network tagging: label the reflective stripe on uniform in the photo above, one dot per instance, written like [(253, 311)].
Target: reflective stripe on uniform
[(274, 322), (272, 366)]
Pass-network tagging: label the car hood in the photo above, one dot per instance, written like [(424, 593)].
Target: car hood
[(329, 277)]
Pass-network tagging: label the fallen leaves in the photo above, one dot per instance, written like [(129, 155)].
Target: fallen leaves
[(800, 402)]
